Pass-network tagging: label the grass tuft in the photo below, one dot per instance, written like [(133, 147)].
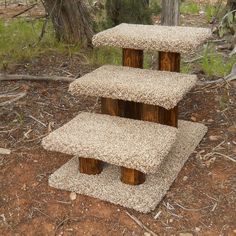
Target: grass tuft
[(19, 41), (189, 8)]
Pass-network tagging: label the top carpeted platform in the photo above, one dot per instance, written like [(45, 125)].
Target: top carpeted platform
[(153, 37), (152, 87), (124, 142)]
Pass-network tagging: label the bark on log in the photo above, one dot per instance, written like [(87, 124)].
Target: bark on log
[(6, 77), (71, 20), (170, 12)]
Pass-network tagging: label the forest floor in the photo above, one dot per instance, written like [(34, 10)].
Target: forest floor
[(202, 200)]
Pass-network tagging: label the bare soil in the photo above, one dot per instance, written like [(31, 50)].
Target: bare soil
[(202, 201)]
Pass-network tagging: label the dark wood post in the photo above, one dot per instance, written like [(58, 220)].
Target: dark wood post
[(131, 58), (90, 166), (168, 61), (131, 176)]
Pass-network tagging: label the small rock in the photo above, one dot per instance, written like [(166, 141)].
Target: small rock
[(234, 231), (24, 187), (147, 234), (171, 220), (73, 196), (193, 118), (214, 137), (197, 229), (185, 178), (210, 120), (185, 234)]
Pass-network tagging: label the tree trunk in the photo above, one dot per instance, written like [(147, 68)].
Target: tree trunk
[(71, 20), (170, 12), (231, 5), (170, 17)]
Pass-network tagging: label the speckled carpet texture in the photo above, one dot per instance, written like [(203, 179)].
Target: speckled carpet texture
[(125, 142), (153, 37), (152, 87), (145, 197)]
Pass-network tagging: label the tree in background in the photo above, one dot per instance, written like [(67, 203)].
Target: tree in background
[(170, 12), (128, 11), (231, 5), (71, 20)]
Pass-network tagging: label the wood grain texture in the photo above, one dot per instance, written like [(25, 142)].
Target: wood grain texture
[(169, 61), (132, 177), (132, 58), (90, 166)]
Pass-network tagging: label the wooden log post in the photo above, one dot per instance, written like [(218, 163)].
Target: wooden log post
[(131, 58), (168, 61), (90, 166)]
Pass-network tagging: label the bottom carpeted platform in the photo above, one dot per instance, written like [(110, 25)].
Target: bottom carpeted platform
[(145, 197)]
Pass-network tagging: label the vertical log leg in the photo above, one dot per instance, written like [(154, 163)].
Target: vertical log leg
[(90, 166), (131, 58), (167, 62)]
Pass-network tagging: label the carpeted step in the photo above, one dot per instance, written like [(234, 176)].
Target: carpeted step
[(120, 141), (152, 87), (153, 37)]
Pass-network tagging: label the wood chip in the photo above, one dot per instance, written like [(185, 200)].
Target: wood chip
[(5, 151)]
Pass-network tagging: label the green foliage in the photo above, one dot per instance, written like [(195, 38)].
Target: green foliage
[(227, 24), (19, 41), (186, 68), (189, 8), (113, 56), (214, 64), (155, 7), (106, 55), (128, 11), (211, 11)]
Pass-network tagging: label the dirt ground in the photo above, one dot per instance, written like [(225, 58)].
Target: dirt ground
[(202, 201)]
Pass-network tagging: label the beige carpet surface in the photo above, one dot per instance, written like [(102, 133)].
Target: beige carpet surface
[(152, 87), (144, 198), (153, 37), (125, 142)]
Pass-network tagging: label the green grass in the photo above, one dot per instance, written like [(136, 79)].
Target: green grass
[(214, 64), (19, 41), (189, 8)]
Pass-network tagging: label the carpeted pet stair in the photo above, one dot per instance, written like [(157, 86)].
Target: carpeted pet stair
[(149, 154)]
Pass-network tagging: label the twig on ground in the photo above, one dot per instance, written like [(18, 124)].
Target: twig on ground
[(36, 209), (25, 10), (191, 209), (223, 155), (139, 223), (16, 98), (61, 223), (4, 77), (40, 122)]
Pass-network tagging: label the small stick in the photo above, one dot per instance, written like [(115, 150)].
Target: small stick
[(40, 122), (139, 223), (223, 155), (24, 11), (4, 77), (17, 97)]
